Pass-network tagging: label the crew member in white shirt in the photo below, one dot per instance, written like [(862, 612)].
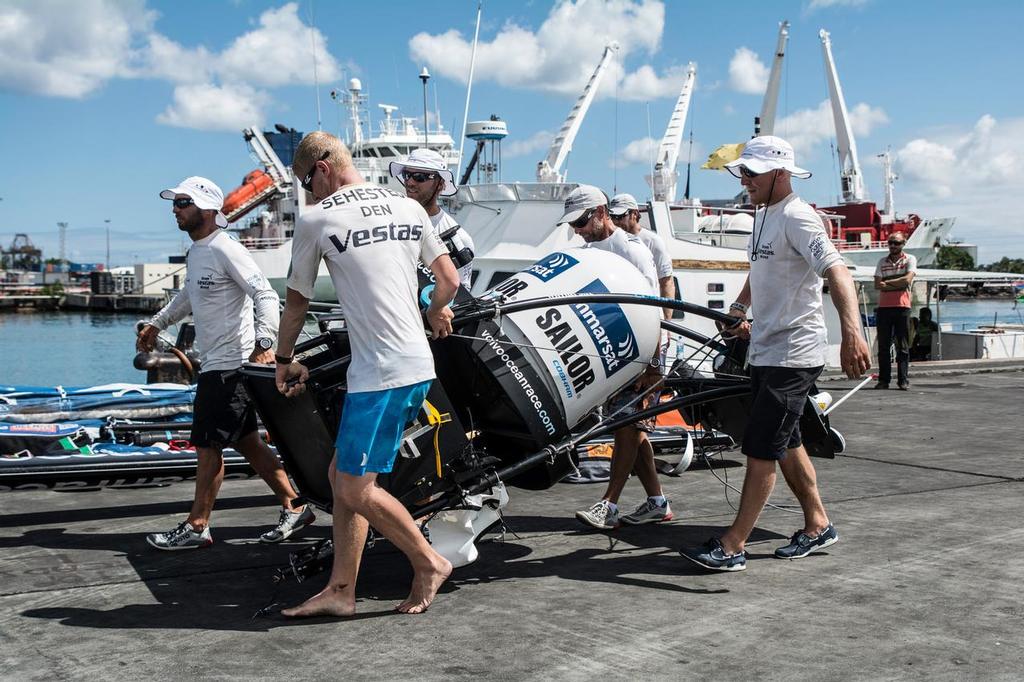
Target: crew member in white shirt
[(586, 211), (372, 240), (789, 254), (222, 287), (426, 177), (625, 214)]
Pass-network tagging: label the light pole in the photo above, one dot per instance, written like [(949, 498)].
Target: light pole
[(425, 76), (107, 264)]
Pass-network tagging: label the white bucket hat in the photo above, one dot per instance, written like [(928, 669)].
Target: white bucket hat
[(767, 153), (580, 200), (204, 193), (623, 203), (424, 159)]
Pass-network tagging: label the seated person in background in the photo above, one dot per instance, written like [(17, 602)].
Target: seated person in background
[(921, 335)]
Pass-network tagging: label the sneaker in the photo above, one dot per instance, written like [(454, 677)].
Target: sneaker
[(801, 544), (600, 516), (184, 536), (882, 386), (905, 386), (648, 512), (713, 557), (288, 524)]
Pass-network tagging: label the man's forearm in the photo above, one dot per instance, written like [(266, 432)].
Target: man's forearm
[(744, 295), (844, 296), (292, 319), (667, 287)]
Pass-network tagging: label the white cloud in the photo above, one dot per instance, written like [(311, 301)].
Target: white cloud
[(825, 4), (808, 129), (67, 49), (210, 107), (747, 73), (540, 140), (279, 52), (70, 49), (642, 151), (969, 174), (562, 53)]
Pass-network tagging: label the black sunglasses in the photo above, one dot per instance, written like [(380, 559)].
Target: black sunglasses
[(747, 173), (183, 203), (582, 221), (307, 182), (418, 176), (896, 243)]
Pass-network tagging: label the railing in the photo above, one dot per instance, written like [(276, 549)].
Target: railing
[(262, 243), (843, 245)]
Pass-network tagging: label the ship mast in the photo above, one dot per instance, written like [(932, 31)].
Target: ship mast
[(849, 166), (889, 179), (771, 93), (549, 170), (663, 180)]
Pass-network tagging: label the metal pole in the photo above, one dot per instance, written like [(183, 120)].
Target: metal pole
[(107, 264), (425, 76), (938, 317)]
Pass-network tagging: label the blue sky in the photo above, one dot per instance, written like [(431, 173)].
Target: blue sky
[(105, 102)]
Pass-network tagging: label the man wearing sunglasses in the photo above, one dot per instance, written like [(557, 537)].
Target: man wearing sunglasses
[(586, 212), (893, 276), (790, 253), (372, 240), (222, 289), (625, 213), (426, 177)]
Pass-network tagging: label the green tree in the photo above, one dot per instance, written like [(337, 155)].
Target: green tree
[(953, 258), (1005, 264)]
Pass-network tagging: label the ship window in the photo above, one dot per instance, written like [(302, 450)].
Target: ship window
[(387, 151), (716, 304), (497, 278), (371, 152), (382, 180), (716, 288)]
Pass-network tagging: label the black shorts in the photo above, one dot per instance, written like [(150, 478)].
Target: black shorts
[(779, 395), (222, 412)]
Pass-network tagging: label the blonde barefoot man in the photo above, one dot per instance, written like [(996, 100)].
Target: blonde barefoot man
[(371, 239)]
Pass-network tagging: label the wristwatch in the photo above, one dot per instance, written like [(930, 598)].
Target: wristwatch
[(264, 343)]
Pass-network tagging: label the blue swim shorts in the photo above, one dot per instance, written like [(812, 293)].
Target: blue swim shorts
[(371, 427)]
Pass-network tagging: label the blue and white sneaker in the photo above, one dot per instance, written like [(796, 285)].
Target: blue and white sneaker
[(713, 557), (802, 544)]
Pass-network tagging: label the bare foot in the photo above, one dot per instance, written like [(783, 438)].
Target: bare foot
[(331, 602), (425, 585)]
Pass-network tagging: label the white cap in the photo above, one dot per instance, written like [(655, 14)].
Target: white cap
[(767, 153), (424, 159), (204, 193), (580, 200), (623, 203)]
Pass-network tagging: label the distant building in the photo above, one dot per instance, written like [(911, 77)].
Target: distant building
[(152, 278)]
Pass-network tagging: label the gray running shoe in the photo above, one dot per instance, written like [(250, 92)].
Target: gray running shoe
[(288, 524), (648, 512), (802, 544), (600, 516), (184, 536)]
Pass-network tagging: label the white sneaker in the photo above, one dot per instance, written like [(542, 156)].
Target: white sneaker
[(184, 536), (288, 524), (648, 512), (600, 516)]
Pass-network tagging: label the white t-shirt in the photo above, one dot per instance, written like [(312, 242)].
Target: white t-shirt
[(628, 246), (655, 244), (793, 253), (221, 285), (372, 239), (442, 223)]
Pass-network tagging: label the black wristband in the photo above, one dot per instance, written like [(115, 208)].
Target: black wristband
[(281, 360)]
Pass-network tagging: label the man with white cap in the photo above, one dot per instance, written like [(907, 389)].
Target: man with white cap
[(586, 212), (426, 177), (222, 287), (625, 213), (790, 253)]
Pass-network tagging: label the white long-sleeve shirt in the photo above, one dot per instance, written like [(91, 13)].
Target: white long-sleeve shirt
[(222, 288)]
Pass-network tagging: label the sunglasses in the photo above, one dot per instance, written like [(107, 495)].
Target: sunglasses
[(896, 243), (582, 221), (307, 182), (418, 176), (183, 203), (747, 173)]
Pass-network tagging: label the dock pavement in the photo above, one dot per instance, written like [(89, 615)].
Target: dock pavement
[(926, 582)]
